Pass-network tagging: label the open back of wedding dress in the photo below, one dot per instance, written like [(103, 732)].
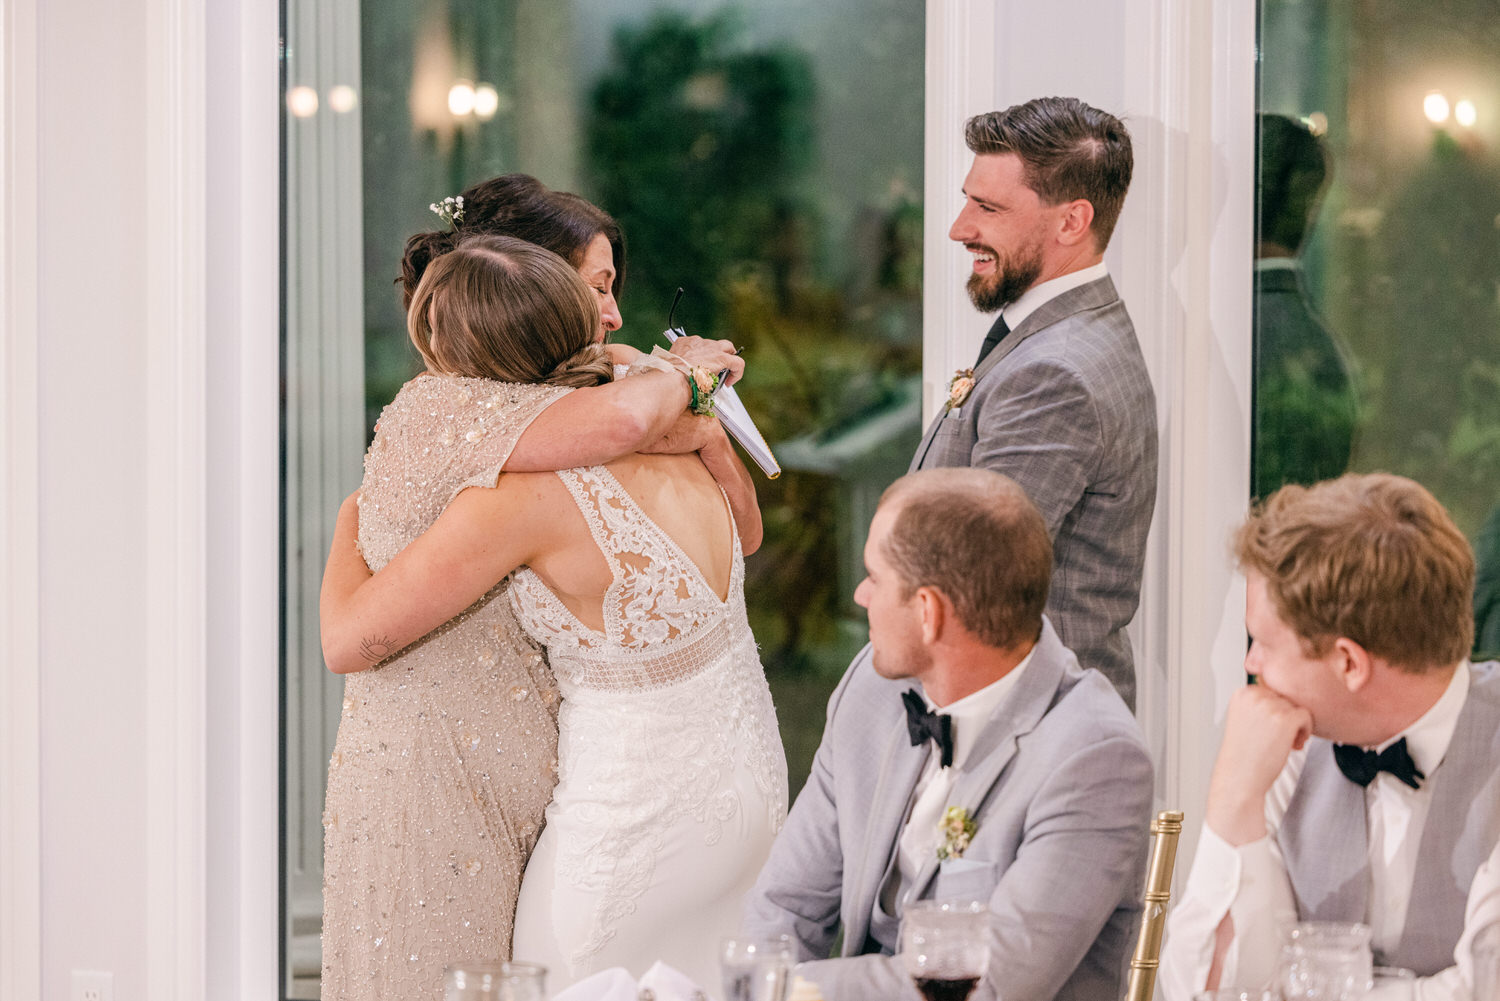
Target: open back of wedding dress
[(671, 780)]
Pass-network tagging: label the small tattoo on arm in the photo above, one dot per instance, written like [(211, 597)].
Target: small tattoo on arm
[(376, 648)]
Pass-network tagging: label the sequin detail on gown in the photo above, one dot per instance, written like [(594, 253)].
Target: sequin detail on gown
[(446, 753), (669, 753)]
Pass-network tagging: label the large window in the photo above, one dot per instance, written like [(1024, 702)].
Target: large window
[(1378, 255), (766, 157)]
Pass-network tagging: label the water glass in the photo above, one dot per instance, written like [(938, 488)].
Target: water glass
[(1326, 961), (757, 969), (945, 946), (495, 982), (1486, 949)]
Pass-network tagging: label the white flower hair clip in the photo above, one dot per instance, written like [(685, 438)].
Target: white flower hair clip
[(450, 209)]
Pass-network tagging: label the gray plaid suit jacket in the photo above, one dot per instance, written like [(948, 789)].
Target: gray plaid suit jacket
[(1060, 786), (1064, 407)]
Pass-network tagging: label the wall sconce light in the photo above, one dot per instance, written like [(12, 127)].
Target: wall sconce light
[(1435, 107), (342, 98), (486, 102), (302, 102), (1465, 114), (461, 99)]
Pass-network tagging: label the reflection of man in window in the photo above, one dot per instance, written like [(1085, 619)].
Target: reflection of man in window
[(1304, 399)]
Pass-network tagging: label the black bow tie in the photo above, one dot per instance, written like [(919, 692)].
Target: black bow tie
[(1361, 766), (924, 725)]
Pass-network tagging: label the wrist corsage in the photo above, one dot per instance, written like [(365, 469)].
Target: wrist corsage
[(957, 829), (959, 388), (701, 384)]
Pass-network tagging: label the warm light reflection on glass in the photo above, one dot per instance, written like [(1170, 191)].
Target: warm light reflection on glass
[(1317, 123), (1465, 114), (461, 98), (486, 102), (302, 102), (342, 98), (1435, 107)]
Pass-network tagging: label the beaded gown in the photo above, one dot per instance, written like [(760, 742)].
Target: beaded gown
[(672, 781), (446, 753)]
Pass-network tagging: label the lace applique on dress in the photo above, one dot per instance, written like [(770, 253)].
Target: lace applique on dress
[(662, 709)]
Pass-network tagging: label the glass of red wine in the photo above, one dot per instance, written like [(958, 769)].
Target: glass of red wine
[(945, 945)]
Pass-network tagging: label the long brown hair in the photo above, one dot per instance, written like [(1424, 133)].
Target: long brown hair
[(501, 308)]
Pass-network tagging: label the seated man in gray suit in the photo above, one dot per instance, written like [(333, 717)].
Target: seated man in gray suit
[(1059, 398), (1041, 755), (1357, 779)]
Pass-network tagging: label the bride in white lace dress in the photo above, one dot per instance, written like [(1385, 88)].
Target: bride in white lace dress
[(671, 778)]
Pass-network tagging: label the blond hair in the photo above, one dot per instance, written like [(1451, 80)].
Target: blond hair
[(974, 535), (1374, 558), (500, 308)]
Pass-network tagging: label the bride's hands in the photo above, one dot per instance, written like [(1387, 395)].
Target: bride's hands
[(716, 356)]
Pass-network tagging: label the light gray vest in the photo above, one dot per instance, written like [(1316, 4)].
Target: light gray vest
[(1323, 836)]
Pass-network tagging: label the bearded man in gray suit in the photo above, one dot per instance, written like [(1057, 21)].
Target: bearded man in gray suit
[(1357, 780), (1059, 398), (965, 706)]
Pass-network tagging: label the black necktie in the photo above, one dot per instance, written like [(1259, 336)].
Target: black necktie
[(995, 336), (924, 725), (1361, 766)]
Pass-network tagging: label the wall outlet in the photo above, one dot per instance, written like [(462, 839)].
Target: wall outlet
[(93, 985)]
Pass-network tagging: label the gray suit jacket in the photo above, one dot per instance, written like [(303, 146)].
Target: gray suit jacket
[(1060, 785), (1064, 407)]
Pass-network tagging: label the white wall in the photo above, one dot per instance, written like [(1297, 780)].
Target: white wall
[(91, 277), (140, 454)]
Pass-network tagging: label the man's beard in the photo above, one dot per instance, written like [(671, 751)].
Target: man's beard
[(1011, 278)]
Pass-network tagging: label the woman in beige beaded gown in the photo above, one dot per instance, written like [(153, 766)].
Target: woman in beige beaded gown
[(671, 780), (444, 760)]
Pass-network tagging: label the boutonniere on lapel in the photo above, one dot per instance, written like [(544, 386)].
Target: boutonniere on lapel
[(957, 829), (959, 388)]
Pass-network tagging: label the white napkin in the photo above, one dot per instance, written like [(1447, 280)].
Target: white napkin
[(670, 984), (614, 984)]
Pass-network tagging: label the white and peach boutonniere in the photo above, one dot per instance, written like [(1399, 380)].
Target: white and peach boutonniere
[(959, 388), (957, 829)]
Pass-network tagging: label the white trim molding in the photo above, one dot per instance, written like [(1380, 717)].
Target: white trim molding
[(1205, 100), (176, 543), (20, 702), (244, 365), (961, 54)]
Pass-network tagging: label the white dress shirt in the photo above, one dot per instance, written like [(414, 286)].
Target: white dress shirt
[(920, 837), (1035, 297), (1250, 884)]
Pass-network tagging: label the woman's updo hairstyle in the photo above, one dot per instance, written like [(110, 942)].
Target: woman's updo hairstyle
[(495, 307), (520, 206)]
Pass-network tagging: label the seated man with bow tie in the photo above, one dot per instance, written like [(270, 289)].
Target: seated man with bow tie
[(966, 757), (1357, 779)]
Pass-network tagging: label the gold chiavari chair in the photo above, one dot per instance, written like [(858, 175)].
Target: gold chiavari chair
[(1165, 830)]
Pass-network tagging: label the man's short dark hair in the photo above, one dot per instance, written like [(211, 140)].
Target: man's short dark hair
[(974, 535), (1293, 172), (1067, 149)]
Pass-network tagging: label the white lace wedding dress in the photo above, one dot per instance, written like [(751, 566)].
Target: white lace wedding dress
[(671, 781)]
